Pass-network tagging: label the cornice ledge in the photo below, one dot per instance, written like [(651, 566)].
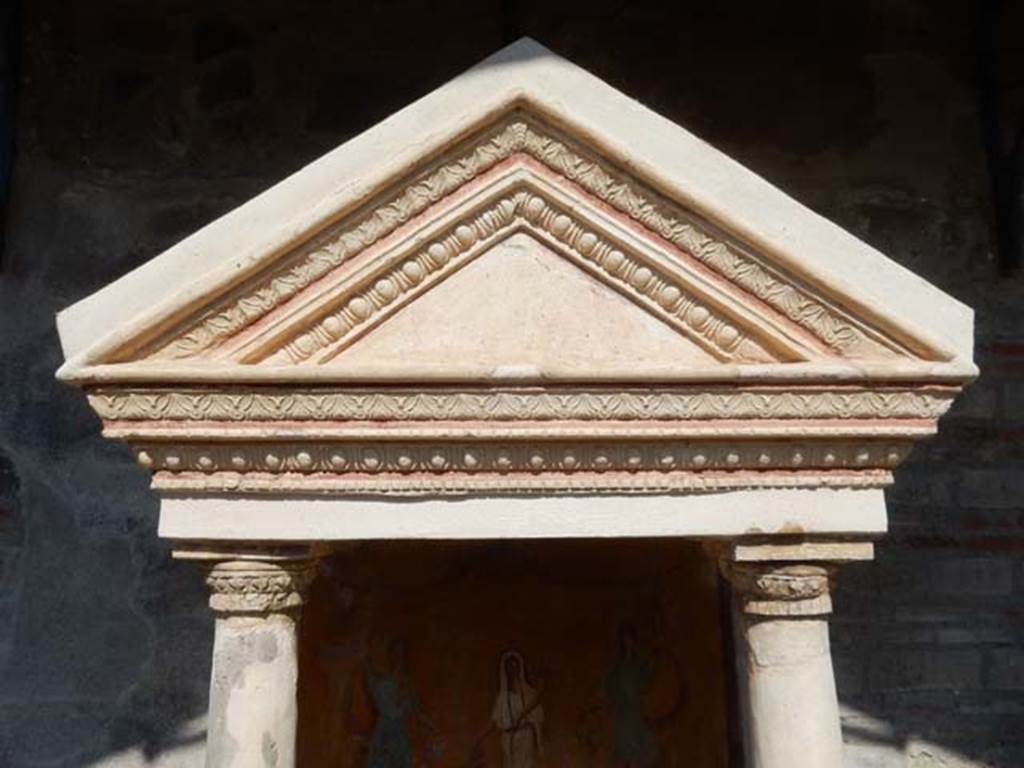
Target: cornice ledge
[(811, 313)]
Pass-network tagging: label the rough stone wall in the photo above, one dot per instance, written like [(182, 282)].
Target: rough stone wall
[(139, 122)]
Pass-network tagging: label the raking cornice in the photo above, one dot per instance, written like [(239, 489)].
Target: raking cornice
[(213, 321), (516, 90)]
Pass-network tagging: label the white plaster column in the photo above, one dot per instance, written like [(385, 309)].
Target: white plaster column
[(253, 695), (790, 708)]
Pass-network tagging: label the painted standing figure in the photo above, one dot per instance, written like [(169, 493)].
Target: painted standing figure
[(392, 698), (629, 680), (518, 715)]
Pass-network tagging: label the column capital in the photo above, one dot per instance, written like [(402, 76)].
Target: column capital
[(259, 586), (248, 579), (781, 589), (786, 577)]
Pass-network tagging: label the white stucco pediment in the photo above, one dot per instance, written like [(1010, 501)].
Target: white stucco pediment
[(524, 283)]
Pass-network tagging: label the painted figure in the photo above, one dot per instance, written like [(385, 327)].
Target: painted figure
[(392, 698), (634, 744), (518, 715)]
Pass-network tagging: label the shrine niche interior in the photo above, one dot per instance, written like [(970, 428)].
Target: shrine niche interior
[(621, 640), (551, 423)]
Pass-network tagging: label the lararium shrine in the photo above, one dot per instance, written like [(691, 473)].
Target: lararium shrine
[(523, 307)]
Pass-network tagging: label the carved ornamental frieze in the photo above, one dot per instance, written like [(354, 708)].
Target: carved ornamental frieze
[(523, 308)]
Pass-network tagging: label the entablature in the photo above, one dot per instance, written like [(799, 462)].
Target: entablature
[(515, 303)]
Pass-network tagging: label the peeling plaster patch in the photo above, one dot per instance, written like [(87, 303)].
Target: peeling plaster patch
[(230, 663), (238, 652), (269, 749), (266, 646)]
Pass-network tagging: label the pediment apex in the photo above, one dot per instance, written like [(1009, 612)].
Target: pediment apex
[(529, 77)]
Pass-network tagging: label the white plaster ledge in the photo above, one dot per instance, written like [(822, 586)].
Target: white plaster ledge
[(734, 513)]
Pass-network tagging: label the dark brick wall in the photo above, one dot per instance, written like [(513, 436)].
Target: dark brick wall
[(141, 121)]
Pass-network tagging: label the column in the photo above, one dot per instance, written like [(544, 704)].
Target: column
[(253, 697), (783, 603)]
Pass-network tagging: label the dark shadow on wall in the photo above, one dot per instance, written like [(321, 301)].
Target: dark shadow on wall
[(929, 638), (106, 640), (139, 125)]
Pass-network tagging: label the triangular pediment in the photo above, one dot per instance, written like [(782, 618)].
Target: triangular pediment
[(524, 240), (497, 315)]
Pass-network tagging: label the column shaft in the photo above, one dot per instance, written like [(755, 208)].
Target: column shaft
[(791, 707), (793, 711), (253, 713), (253, 696)]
